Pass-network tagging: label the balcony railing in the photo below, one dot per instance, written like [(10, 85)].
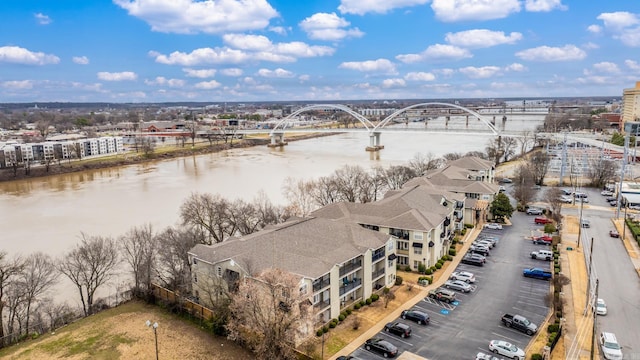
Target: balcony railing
[(377, 256), (350, 267), (321, 285), (322, 304), (377, 273), (350, 286)]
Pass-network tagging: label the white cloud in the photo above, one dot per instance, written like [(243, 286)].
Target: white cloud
[(516, 67), (595, 29), (632, 64), (304, 78), (330, 27), (483, 72), (280, 30), (277, 73), (551, 54), (207, 85), (419, 76), (630, 37), (474, 10), (42, 19), (162, 81), (393, 83), (606, 67), (445, 72), (18, 84), (590, 45), (231, 72), (481, 38), (201, 16), (81, 60), (203, 56), (18, 55), (248, 42), (117, 76), (544, 5), (437, 52), (200, 73), (616, 21), (361, 7), (380, 66)]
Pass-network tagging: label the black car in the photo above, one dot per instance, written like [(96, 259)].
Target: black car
[(347, 357), (420, 317), (380, 346), (398, 328), (472, 260)]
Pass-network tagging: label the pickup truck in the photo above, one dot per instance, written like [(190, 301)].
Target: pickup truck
[(542, 220), (542, 255), (537, 273), (519, 322)]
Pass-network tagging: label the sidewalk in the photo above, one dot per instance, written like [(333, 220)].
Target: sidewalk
[(375, 329)]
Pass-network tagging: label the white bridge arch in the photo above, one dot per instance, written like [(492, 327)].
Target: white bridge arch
[(284, 123)]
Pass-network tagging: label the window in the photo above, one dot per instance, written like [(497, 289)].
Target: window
[(195, 278), (417, 250), (219, 271), (303, 289), (195, 261), (417, 236), (402, 260), (415, 264)]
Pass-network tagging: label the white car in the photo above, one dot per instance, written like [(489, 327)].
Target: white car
[(458, 285), (493, 226), (601, 307), (609, 346), (483, 356), (464, 276), (606, 193), (566, 199), (507, 349)]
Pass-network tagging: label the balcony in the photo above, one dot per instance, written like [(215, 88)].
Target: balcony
[(349, 267), (322, 305), (350, 286), (319, 285), (377, 256), (377, 273), (447, 221)]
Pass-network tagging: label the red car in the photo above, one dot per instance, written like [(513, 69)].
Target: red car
[(543, 240), (543, 220)]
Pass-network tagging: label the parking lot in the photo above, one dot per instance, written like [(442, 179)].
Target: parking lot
[(463, 328)]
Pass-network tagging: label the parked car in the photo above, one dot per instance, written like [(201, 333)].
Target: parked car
[(479, 249), (536, 187), (490, 239), (506, 181), (601, 307), (458, 285), (398, 328), (485, 243), (347, 357), (420, 317), (493, 226), (614, 233), (566, 192), (464, 276), (507, 349), (566, 199), (609, 346), (543, 240), (606, 193), (442, 294), (542, 220), (634, 207), (585, 223), (534, 211), (520, 323), (469, 259), (542, 255), (537, 273), (381, 346), (483, 356)]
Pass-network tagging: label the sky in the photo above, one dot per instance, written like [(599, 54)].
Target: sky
[(136, 51)]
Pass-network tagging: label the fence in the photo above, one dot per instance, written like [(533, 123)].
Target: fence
[(185, 304)]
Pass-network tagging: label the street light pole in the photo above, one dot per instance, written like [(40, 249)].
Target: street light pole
[(155, 333)]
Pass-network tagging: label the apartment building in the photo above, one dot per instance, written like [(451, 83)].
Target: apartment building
[(631, 104), (338, 262)]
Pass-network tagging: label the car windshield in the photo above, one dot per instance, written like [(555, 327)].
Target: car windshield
[(526, 322), (611, 345), (511, 347)]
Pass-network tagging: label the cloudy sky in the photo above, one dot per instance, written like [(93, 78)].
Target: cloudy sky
[(253, 50)]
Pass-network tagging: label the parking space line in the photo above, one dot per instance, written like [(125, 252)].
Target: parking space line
[(396, 338), (531, 304), (506, 337), (511, 330)]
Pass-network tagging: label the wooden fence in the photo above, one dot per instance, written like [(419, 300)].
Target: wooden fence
[(185, 304)]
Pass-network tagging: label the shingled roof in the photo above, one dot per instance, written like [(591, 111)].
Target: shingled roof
[(308, 247)]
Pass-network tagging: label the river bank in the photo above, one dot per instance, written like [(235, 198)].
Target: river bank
[(132, 158)]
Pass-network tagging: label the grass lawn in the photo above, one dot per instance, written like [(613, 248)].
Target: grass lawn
[(121, 333)]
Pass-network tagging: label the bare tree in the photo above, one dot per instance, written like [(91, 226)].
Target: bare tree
[(495, 150), (421, 163), (209, 213), (509, 147), (325, 191), (270, 313), (553, 199), (478, 154), (267, 212), (523, 190), (173, 268), (350, 181), (451, 156), (539, 165), (397, 175), (89, 265), (601, 171), (525, 140), (9, 271), (139, 250), (38, 276), (299, 194)]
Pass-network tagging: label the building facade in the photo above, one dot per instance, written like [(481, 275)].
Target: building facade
[(631, 104)]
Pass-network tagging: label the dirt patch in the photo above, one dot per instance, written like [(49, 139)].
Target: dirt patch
[(121, 333)]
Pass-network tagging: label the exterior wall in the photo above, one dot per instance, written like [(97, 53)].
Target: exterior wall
[(631, 104)]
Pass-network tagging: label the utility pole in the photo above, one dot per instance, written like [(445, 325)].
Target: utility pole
[(589, 275), (593, 331), (563, 164), (622, 170), (579, 220)]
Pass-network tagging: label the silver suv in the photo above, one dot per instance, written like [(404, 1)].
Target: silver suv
[(534, 211)]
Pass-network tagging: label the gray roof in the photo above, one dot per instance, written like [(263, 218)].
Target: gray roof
[(472, 163), (450, 178), (308, 247), (417, 208)]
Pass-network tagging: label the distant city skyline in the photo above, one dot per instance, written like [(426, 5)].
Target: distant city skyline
[(283, 50)]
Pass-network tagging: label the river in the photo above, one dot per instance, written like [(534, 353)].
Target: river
[(49, 214)]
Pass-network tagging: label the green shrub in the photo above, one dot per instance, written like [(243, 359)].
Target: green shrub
[(552, 336), (362, 303), (468, 226), (536, 357), (325, 329), (430, 279), (344, 313), (464, 231), (433, 268), (368, 301), (319, 332), (428, 271), (557, 270), (398, 280), (356, 306), (553, 328), (341, 318), (348, 311), (452, 252), (332, 325), (421, 268), (375, 297), (444, 258), (438, 266)]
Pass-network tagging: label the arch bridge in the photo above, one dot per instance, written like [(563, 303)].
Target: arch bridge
[(374, 130)]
